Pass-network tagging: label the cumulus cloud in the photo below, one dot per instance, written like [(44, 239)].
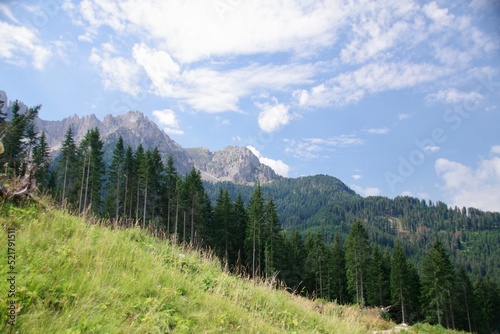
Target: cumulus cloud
[(200, 53), (117, 73), (471, 187), (273, 117), (168, 119), (278, 166), (368, 191), (356, 176)]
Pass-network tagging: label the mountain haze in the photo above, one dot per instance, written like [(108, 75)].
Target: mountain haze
[(235, 164)]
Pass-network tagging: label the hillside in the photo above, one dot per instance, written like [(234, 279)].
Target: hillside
[(74, 277), (324, 203)]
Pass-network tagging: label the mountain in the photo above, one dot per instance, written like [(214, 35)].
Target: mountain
[(235, 164), (324, 204)]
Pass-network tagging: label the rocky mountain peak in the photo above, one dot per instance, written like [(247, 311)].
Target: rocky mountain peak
[(233, 163)]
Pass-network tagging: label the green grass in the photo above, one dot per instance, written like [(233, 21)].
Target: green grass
[(77, 277)]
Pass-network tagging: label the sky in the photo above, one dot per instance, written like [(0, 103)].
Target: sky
[(395, 97)]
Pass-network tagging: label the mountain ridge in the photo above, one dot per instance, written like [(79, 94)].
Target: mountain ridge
[(232, 163)]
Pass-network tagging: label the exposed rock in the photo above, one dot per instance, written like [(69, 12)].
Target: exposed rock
[(236, 164)]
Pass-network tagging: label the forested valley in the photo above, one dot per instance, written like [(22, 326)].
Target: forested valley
[(418, 261)]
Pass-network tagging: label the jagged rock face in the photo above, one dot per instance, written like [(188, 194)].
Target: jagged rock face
[(239, 165), (235, 164)]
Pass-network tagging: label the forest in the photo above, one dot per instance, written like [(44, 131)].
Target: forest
[(416, 261)]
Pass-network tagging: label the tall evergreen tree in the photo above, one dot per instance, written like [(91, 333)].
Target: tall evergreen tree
[(253, 240), (338, 283), (241, 219), (169, 193), (438, 279), (272, 238), (116, 182), (15, 135), (399, 279), (358, 253), (41, 159), (67, 171), (487, 296), (93, 170), (224, 216), (378, 293)]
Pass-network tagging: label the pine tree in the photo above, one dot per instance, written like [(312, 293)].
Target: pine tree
[(14, 140), (67, 170), (41, 159), (116, 181), (271, 238), (224, 215), (438, 279), (169, 192), (241, 219), (317, 265), (193, 202), (357, 261), (465, 298), (93, 171), (253, 239), (337, 267), (399, 281), (378, 293), (487, 296)]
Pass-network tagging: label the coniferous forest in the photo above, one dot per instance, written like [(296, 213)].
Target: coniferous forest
[(417, 261)]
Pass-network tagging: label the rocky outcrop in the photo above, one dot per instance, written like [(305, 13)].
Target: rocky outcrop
[(235, 164)]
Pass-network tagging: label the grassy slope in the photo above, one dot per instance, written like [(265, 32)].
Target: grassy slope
[(74, 277)]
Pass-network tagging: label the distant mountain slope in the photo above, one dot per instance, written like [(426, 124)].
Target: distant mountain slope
[(324, 204), (235, 164)]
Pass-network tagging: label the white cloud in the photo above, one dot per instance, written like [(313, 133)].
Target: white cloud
[(402, 117), (117, 73), (495, 149), (313, 148), (421, 195), (368, 191), (273, 117), (168, 119), (378, 131), (431, 148), (193, 31), (356, 176), (278, 166), (18, 43), (454, 96), (351, 87), (469, 187), (200, 52)]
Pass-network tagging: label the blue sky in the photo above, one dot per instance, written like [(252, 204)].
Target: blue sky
[(394, 97)]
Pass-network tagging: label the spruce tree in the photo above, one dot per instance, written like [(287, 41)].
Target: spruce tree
[(378, 293), (41, 159), (438, 280), (253, 241), (67, 171), (271, 238), (358, 254), (224, 216), (241, 220), (116, 182), (338, 283), (399, 282)]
